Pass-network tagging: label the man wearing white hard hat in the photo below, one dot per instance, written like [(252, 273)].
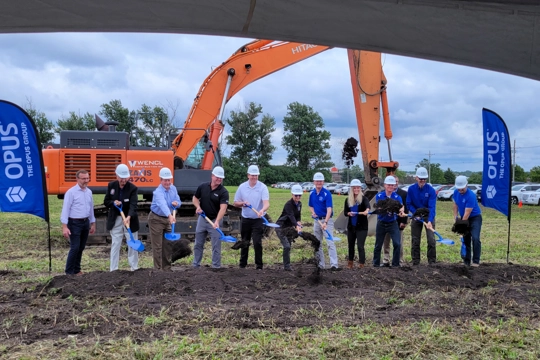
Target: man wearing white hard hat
[(422, 195), (322, 210), (122, 193), (466, 204), (290, 217), (387, 224), (402, 223), (254, 194), (165, 199), (212, 199)]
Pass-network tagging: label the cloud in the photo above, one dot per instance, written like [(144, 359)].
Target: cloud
[(435, 108)]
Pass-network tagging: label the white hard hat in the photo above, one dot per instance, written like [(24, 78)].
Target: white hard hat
[(461, 182), (165, 173), (318, 176), (253, 170), (122, 171), (296, 190), (219, 172), (356, 182), (390, 180), (422, 173)]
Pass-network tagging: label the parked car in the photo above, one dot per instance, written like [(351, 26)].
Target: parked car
[(447, 194), (518, 190), (330, 186), (308, 187), (531, 197), (405, 187), (443, 187), (341, 189)]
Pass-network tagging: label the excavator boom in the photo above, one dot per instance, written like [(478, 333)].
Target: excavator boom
[(250, 63)]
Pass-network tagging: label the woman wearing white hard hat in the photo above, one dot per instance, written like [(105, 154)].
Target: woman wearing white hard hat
[(290, 217), (123, 194), (356, 209), (160, 219), (387, 224)]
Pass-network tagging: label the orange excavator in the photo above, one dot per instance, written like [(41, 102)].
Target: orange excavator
[(193, 152)]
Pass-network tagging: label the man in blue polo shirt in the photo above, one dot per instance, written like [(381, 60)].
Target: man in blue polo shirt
[(320, 204), (387, 224), (466, 203), (422, 195)]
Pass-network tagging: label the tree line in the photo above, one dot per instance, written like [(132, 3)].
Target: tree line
[(250, 141), (304, 139)]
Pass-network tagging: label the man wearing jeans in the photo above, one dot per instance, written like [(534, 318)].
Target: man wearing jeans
[(422, 195), (466, 204), (77, 220), (387, 224), (212, 199), (320, 204)]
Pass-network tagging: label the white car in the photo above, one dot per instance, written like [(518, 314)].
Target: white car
[(446, 194), (531, 197), (518, 190), (342, 189), (308, 187), (527, 193)]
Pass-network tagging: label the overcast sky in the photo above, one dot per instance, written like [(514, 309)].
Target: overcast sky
[(435, 108)]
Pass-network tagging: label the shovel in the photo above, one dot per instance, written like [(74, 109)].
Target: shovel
[(328, 235), (136, 245), (440, 238), (172, 236), (222, 237), (266, 222)]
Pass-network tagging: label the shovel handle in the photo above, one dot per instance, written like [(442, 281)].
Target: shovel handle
[(122, 214), (207, 219)]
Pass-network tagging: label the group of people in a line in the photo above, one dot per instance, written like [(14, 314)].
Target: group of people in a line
[(212, 198)]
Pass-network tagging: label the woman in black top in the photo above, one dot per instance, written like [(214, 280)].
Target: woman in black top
[(356, 208), (290, 217)]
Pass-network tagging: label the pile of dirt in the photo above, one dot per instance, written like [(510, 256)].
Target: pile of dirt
[(147, 303)]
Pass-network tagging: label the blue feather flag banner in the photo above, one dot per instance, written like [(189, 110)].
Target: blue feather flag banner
[(497, 174), (22, 177)]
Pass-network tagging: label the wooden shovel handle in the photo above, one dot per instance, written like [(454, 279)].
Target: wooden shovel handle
[(209, 221)]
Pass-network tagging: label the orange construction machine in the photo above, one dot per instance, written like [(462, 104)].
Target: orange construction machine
[(193, 151)]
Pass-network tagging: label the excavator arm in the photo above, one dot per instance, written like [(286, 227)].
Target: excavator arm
[(369, 93), (250, 63)]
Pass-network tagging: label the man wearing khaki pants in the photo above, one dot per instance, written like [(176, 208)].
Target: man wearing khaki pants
[(161, 218)]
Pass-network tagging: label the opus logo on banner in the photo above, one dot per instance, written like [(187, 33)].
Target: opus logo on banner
[(496, 177), (22, 187)]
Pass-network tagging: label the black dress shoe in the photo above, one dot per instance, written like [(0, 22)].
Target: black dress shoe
[(385, 265)]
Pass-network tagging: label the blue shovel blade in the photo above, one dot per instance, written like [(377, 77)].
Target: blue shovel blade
[(136, 245), (225, 238), (267, 223), (443, 240), (172, 236), (330, 237)]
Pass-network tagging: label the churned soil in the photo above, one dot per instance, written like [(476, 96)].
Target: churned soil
[(147, 304)]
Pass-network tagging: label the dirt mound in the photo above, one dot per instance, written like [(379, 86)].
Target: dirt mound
[(146, 304)]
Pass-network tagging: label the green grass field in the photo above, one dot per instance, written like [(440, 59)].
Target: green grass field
[(24, 255)]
